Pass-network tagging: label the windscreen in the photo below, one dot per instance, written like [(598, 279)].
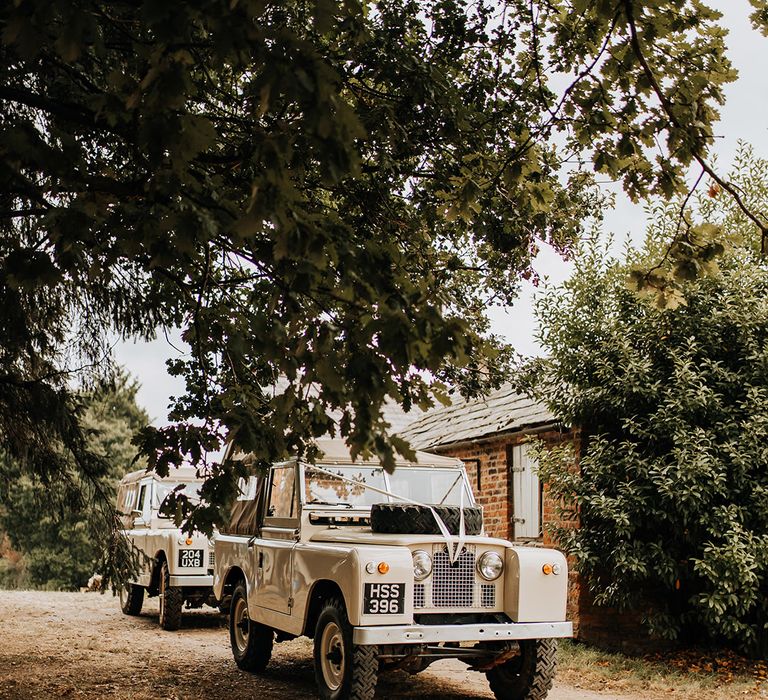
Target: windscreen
[(162, 489), (321, 488), (429, 486)]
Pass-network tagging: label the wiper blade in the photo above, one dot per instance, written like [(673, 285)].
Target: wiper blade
[(330, 503)]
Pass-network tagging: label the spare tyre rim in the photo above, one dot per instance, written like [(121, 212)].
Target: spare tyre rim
[(240, 622), (332, 656), (123, 594)]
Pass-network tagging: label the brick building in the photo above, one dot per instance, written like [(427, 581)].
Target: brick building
[(491, 436)]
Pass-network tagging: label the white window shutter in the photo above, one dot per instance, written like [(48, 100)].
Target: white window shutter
[(526, 494)]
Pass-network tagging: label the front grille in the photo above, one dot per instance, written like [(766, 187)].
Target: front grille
[(419, 595), (211, 559), (488, 595), (453, 584)]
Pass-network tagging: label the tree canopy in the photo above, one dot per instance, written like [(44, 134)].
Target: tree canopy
[(326, 191), (671, 480)]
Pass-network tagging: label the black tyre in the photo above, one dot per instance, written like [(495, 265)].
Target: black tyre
[(171, 601), (407, 519), (343, 671), (251, 641), (528, 676), (131, 598)]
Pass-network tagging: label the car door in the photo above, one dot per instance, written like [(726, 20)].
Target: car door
[(273, 550), (142, 512)]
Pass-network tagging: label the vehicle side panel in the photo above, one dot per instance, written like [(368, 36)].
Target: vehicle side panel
[(232, 552)]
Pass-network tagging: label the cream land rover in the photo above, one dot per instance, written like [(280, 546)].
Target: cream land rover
[(176, 566), (356, 559)]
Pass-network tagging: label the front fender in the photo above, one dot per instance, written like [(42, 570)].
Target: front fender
[(346, 567), (530, 595)]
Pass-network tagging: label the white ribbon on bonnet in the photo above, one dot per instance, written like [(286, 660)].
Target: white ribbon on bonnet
[(453, 551)]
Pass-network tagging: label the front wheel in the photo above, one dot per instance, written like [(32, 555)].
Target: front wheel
[(343, 671), (171, 601), (527, 676), (131, 598), (251, 641)]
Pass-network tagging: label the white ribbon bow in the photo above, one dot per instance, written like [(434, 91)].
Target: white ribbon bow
[(453, 551)]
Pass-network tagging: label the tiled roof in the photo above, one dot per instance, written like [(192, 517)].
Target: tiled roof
[(502, 411), (335, 451), (392, 412), (397, 417)]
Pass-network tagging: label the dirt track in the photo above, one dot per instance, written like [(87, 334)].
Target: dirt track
[(79, 645)]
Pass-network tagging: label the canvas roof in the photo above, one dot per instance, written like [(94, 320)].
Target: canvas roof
[(502, 411)]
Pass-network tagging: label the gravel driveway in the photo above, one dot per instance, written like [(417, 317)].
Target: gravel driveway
[(79, 645)]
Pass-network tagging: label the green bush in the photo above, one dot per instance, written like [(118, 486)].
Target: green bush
[(672, 486)]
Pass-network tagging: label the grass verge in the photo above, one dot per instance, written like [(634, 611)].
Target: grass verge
[(691, 674)]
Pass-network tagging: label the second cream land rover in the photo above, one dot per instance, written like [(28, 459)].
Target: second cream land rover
[(175, 566), (356, 559)]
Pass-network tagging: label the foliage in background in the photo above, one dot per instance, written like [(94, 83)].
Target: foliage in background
[(328, 191), (13, 569), (672, 488), (45, 542)]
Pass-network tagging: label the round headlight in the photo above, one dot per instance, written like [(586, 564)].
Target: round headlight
[(422, 565), (490, 566)]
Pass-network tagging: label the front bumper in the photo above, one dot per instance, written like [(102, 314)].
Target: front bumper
[(429, 634), (186, 580)]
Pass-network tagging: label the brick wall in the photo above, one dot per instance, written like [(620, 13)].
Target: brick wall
[(493, 491), (486, 463)]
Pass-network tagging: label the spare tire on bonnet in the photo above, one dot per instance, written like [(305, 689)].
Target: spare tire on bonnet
[(408, 519)]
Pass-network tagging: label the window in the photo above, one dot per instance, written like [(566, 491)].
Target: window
[(430, 486), (162, 489), (282, 495), (526, 493), (142, 498), (321, 488), (125, 497)]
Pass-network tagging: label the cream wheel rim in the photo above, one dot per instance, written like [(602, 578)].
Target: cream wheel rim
[(332, 656), (162, 593), (240, 621)]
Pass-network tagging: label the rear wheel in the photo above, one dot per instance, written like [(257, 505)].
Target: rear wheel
[(343, 671), (171, 601), (528, 676), (131, 598), (251, 641)]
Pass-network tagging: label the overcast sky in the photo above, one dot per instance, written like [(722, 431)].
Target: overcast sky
[(743, 117)]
